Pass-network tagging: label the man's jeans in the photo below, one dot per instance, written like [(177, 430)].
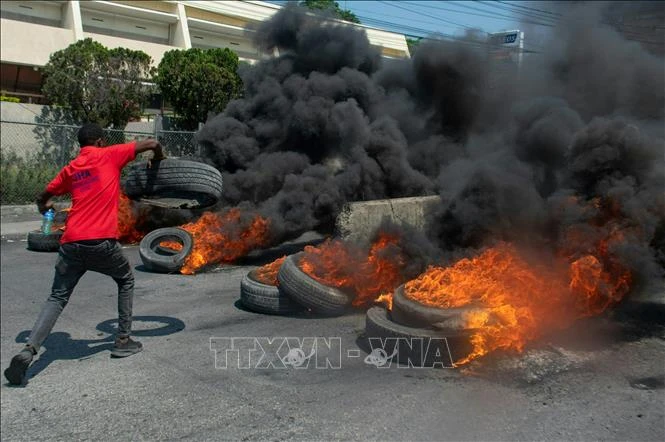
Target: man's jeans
[(73, 261)]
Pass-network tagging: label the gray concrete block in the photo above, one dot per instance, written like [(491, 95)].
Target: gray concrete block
[(359, 220)]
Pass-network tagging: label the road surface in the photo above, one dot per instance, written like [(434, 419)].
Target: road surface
[(603, 379)]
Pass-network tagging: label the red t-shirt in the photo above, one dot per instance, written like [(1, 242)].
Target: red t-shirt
[(93, 179)]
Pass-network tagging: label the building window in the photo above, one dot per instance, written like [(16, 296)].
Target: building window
[(23, 82)]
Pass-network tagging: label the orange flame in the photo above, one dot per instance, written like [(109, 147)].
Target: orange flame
[(520, 300), (173, 245), (127, 221), (338, 264), (267, 274), (386, 299), (223, 237)]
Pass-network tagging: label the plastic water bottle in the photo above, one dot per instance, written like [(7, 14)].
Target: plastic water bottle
[(47, 222)]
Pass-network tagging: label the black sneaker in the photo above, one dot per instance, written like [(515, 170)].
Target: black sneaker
[(124, 347), (15, 374)]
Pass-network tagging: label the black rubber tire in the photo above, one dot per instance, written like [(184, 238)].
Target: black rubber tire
[(321, 299), (265, 298), (165, 262), (173, 178), (166, 251), (379, 326), (414, 314), (41, 242), (60, 217)]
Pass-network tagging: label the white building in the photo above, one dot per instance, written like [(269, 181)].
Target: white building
[(32, 30)]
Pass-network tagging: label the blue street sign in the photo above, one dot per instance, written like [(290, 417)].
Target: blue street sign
[(510, 38)]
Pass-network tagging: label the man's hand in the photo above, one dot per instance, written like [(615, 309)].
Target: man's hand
[(153, 162), (44, 202), (151, 144)]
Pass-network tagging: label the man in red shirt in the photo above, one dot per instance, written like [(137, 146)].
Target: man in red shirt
[(90, 241)]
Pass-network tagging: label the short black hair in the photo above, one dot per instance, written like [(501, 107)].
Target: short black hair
[(89, 133)]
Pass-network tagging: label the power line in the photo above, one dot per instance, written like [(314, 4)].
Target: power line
[(423, 32), (498, 7), (396, 16), (500, 17), (440, 19), (411, 31), (531, 9), (559, 17), (492, 4), (425, 15)]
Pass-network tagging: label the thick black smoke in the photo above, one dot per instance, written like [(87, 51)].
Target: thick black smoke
[(574, 136)]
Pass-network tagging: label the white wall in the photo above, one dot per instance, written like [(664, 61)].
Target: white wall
[(137, 28), (35, 44), (155, 50)]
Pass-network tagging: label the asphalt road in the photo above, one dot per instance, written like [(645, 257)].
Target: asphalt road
[(604, 379)]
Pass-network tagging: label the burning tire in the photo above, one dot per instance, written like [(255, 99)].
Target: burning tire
[(174, 183), (265, 298), (414, 314), (310, 293), (161, 259), (420, 347), (44, 242)]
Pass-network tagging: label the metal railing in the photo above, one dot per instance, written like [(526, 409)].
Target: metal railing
[(31, 154)]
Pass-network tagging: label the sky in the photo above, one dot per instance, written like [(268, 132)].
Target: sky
[(422, 18)]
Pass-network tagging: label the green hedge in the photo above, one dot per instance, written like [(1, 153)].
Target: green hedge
[(9, 99), (22, 180)]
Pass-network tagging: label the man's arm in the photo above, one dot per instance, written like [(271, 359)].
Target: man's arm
[(44, 202), (150, 144)]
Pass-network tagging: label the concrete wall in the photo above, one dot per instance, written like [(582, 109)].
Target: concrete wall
[(359, 220), (153, 27), (18, 138), (33, 48), (154, 50)]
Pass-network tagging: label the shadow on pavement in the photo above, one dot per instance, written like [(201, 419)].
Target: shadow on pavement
[(143, 326), (61, 346)]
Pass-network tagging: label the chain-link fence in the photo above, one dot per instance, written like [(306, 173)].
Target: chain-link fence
[(31, 154)]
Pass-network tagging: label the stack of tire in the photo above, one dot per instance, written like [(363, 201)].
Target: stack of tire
[(169, 187), (417, 334), (294, 291), (413, 333), (172, 192)]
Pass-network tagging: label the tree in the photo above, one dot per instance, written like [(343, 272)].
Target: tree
[(197, 82), (97, 84), (413, 43), (333, 6)]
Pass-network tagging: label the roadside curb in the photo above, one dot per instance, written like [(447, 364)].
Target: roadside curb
[(16, 221), (16, 210), (18, 230)]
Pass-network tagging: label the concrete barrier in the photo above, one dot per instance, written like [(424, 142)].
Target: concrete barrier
[(358, 220)]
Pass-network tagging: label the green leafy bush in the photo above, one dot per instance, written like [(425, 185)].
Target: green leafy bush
[(198, 82), (23, 179), (9, 99)]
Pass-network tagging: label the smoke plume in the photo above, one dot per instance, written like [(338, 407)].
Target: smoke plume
[(568, 141)]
